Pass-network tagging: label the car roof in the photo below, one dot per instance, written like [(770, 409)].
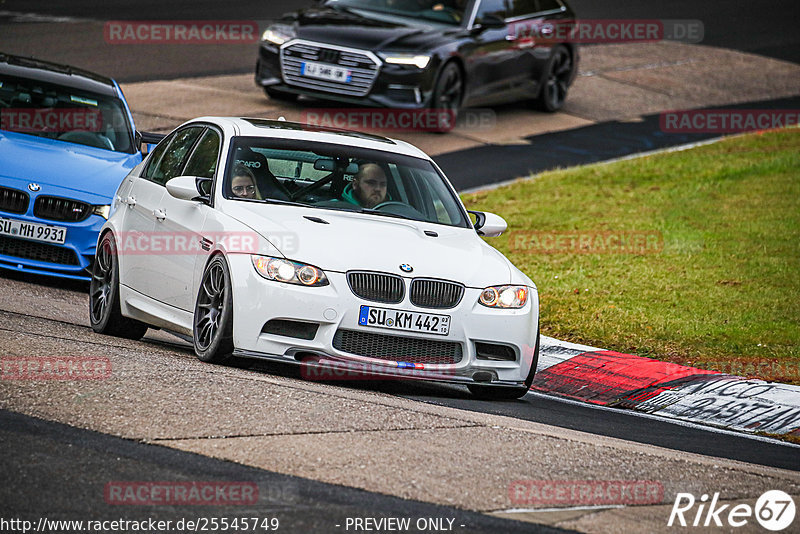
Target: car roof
[(281, 129), (56, 74)]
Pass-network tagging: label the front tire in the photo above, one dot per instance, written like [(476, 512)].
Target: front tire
[(280, 96), (447, 97), (555, 83), (213, 314), (496, 392), (105, 315)]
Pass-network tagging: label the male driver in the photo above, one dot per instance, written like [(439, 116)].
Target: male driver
[(368, 188)]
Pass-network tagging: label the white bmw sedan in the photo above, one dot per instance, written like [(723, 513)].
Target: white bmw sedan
[(326, 248)]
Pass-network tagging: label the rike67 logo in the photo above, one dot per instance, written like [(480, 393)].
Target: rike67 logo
[(774, 510)]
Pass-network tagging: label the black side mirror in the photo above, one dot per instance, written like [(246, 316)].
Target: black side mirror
[(480, 219), (143, 140), (204, 188)]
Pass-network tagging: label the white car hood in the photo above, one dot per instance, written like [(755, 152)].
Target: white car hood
[(354, 241)]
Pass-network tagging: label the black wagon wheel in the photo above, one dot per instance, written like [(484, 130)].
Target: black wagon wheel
[(213, 314), (105, 314)]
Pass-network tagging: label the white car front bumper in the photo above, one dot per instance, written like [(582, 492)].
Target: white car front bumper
[(335, 308)]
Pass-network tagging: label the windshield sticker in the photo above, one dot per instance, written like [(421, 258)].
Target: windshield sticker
[(82, 100)]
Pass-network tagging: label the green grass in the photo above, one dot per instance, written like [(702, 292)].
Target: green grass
[(724, 291)]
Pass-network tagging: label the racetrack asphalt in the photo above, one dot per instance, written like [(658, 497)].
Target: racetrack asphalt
[(477, 167), (29, 443), (612, 109), (764, 27), (449, 450), (59, 472)]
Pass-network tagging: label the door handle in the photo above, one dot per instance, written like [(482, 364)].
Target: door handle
[(129, 201), (160, 215)]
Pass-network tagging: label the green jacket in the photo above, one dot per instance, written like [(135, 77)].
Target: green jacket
[(348, 195)]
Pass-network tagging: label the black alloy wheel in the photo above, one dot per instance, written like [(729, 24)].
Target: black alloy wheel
[(555, 85), (213, 314), (104, 306), (447, 96)]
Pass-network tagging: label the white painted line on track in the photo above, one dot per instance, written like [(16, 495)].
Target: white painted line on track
[(565, 509), (20, 17)]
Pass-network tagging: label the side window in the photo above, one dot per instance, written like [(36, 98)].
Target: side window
[(498, 8), (171, 163), (548, 5), (402, 196), (203, 161), (155, 157), (523, 8)]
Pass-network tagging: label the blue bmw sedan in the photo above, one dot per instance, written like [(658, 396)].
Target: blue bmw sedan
[(67, 140)]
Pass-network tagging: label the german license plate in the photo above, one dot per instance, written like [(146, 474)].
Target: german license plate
[(33, 231), (326, 72), (408, 321)]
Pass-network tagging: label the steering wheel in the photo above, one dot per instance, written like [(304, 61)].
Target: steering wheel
[(85, 137), (400, 208), (390, 203)]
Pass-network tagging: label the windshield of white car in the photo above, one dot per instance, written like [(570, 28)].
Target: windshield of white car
[(340, 177), (63, 113), (450, 12)]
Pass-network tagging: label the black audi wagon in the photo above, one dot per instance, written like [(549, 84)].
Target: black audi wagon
[(441, 54)]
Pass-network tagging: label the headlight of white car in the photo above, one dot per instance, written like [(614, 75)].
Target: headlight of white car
[(504, 296), (278, 34), (290, 272)]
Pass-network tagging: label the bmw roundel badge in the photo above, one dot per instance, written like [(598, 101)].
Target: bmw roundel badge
[(34, 187), (406, 268)]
